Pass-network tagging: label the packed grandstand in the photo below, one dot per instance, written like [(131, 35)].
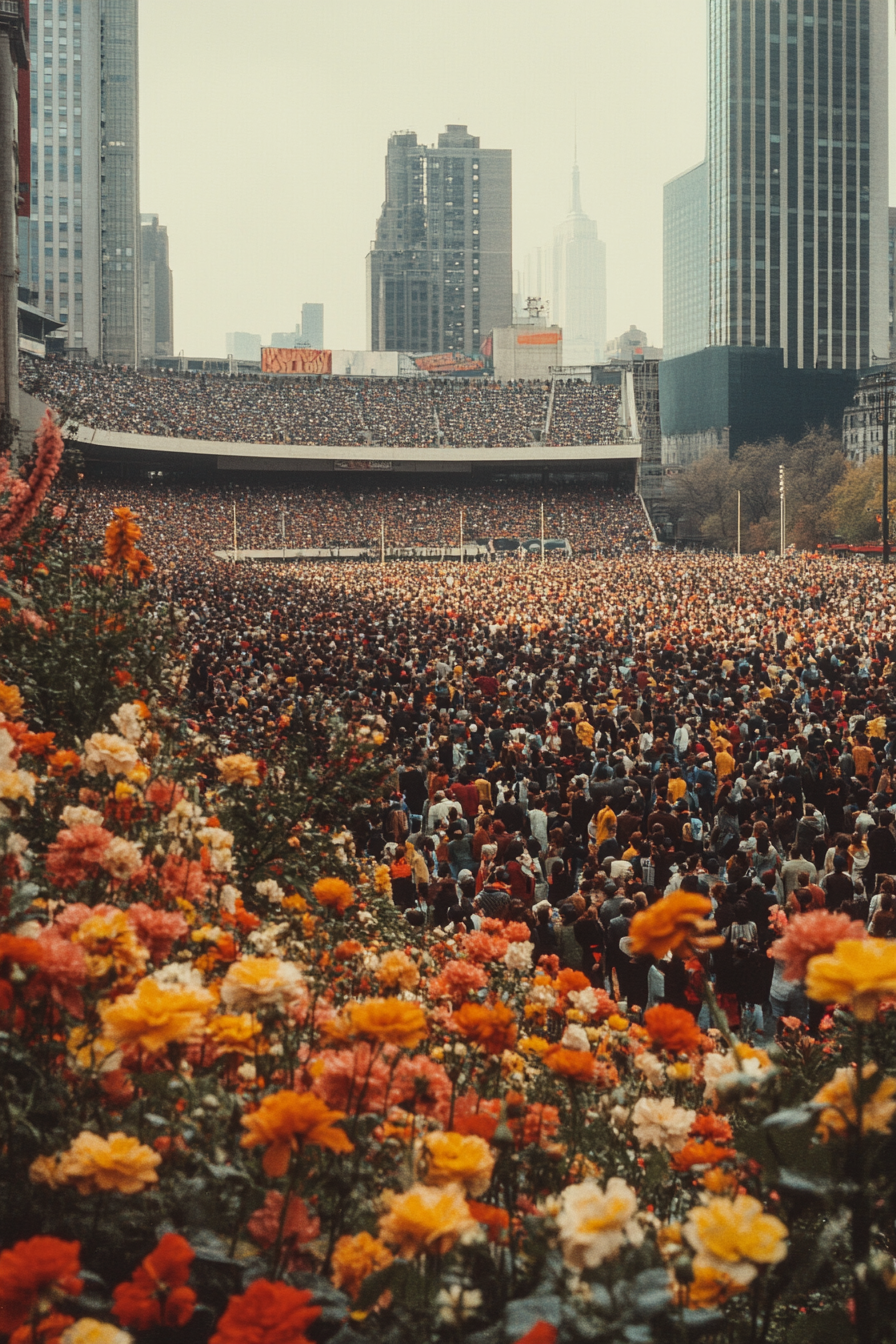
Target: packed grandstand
[(394, 412)]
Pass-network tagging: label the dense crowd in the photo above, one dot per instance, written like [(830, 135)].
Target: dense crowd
[(185, 523), (390, 412)]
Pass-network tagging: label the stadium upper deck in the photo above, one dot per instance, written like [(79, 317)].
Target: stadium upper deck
[(265, 421)]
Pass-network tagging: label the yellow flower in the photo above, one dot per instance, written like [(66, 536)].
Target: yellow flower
[(151, 1017), (534, 1045), (240, 769), (840, 1102), (511, 1062), (387, 1020), (395, 970), (117, 1163), (425, 1219), (333, 893), (733, 1236), (677, 924), (462, 1159), (16, 785), (596, 1222), (107, 751), (90, 1331), (858, 973), (617, 1022), (111, 943), (287, 1120), (710, 1288), (261, 982), (11, 705), (87, 1052), (354, 1258), (681, 1072), (235, 1031)]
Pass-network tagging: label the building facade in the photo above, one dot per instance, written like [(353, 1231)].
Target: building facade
[(13, 191), (797, 169), (80, 250), (313, 325), (892, 285), (157, 303), (244, 345), (439, 270), (686, 263), (863, 422), (632, 346), (579, 283)]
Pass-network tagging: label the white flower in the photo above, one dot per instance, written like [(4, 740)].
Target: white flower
[(229, 897), (81, 816), (105, 751), (542, 994), (271, 890), (658, 1121), (575, 1038), (16, 844), (220, 847), (90, 1331), (247, 1072), (129, 721), (518, 957), (178, 819), (261, 982), (121, 858), (651, 1067), (178, 975), (457, 1304), (595, 1222), (718, 1067), (7, 747), (265, 939), (585, 1000)]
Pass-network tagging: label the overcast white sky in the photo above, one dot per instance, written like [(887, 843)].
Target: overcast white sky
[(263, 132)]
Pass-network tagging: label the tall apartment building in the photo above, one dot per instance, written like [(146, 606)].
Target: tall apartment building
[(686, 263), (797, 223), (81, 249), (439, 270), (313, 325), (579, 283), (157, 290)]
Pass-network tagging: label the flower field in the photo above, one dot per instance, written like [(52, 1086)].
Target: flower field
[(243, 1100)]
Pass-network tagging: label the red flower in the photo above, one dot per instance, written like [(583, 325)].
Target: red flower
[(267, 1313), (30, 1271), (156, 1293)]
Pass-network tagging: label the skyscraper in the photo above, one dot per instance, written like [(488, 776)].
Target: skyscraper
[(796, 237), (157, 299), (313, 325), (685, 263), (439, 272), (579, 283), (797, 166), (81, 252)]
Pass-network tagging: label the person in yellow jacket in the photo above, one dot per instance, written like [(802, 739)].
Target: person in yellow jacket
[(585, 733), (602, 821)]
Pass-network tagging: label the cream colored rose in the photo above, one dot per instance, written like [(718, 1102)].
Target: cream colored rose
[(106, 751)]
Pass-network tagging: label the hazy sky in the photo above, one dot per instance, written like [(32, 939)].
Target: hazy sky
[(263, 132)]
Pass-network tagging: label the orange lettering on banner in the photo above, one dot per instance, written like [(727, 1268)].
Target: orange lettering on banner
[(539, 338), (276, 359)]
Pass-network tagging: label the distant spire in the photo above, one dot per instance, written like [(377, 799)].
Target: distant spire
[(576, 207)]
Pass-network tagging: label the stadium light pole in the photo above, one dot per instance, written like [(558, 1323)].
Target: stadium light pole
[(885, 385), (461, 535), (542, 531), (783, 511), (383, 542), (738, 524)]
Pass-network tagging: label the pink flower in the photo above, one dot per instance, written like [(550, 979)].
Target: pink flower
[(298, 1227), (421, 1084), (811, 935), (456, 981), (63, 969), (184, 879), (26, 496), (158, 930), (71, 917), (76, 854), (483, 947), (350, 1083)]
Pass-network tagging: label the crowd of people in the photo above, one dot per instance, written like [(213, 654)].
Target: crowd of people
[(186, 523), (331, 411)]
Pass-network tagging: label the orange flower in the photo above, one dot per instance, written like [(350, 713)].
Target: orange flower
[(346, 950), (63, 763), (267, 1313), (121, 534), (488, 1215), (118, 1163), (156, 1293), (492, 1028), (354, 1258), (286, 1121), (31, 1271), (390, 1021), (333, 893), (576, 1065), (569, 981), (139, 566), (425, 1219), (672, 1029), (695, 1154), (459, 1159), (677, 924), (11, 705), (151, 1017), (48, 1330), (240, 769), (710, 1125)]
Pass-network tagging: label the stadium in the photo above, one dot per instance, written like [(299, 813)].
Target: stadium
[(315, 467)]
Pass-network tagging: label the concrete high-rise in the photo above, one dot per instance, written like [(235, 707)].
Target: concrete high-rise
[(157, 298), (439, 270), (579, 283), (313, 325), (686, 263), (797, 169), (81, 251)]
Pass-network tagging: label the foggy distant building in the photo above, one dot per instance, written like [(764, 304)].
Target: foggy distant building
[(686, 263), (313, 325), (439, 270), (579, 283), (244, 345), (157, 309), (630, 346)]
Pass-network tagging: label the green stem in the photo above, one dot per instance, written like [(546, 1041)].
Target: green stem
[(861, 1211), (294, 1165)]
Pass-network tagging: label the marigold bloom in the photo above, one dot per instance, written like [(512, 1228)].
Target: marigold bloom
[(267, 1313), (110, 943), (31, 1270), (158, 930), (711, 1125), (237, 1032), (421, 1084), (156, 1293), (286, 1121), (484, 947), (395, 970), (840, 1100), (153, 1016), (11, 704), (734, 1236), (118, 1163), (389, 1021), (676, 923), (493, 1028), (425, 1219), (576, 1065), (459, 1159), (355, 1258), (344, 951), (534, 1045), (596, 1222), (239, 769), (570, 981), (63, 763), (457, 981), (811, 935), (672, 1029), (710, 1288), (857, 974), (261, 982), (333, 893), (696, 1154)]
